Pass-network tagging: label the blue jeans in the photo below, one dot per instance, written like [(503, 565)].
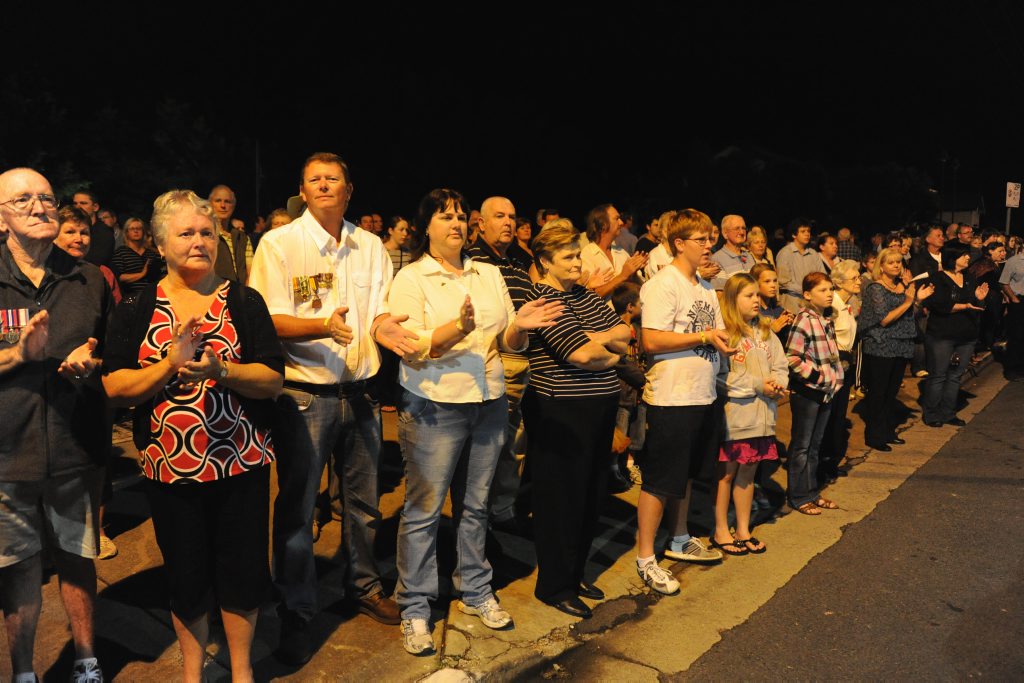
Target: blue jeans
[(938, 399), (309, 429), (809, 421), (446, 446)]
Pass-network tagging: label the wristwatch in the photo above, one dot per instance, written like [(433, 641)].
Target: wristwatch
[(223, 374)]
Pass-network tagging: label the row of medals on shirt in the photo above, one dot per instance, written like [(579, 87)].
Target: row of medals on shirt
[(11, 322), (309, 287)]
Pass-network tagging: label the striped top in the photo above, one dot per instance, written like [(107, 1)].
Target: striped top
[(516, 279), (551, 374)]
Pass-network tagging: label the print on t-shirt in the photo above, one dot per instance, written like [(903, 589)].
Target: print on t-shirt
[(702, 317)]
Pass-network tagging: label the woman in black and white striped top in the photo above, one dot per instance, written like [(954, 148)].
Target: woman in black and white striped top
[(570, 417)]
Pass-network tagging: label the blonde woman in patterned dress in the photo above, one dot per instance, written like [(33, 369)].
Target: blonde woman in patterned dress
[(198, 357)]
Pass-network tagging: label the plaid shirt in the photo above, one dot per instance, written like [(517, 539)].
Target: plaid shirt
[(813, 354), (848, 250)]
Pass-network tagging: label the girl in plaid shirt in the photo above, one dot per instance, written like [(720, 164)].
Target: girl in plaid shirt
[(815, 375)]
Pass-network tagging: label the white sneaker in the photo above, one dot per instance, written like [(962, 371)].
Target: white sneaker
[(657, 578), (489, 611), (107, 548), (694, 551), (86, 671), (416, 636)]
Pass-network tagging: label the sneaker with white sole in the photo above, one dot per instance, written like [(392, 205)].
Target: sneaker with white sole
[(416, 636), (489, 611), (87, 671), (694, 551), (107, 548), (658, 578)]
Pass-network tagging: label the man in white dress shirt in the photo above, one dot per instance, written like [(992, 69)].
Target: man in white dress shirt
[(325, 283), (608, 264)]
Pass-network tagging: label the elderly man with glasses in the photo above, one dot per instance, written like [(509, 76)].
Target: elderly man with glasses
[(53, 309)]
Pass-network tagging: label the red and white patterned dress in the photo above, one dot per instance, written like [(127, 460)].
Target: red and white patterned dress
[(201, 433)]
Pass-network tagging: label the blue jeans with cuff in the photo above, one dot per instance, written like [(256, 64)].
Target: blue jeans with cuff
[(809, 421), (309, 428)]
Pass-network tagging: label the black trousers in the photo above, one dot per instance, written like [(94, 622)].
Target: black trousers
[(837, 436), (1014, 360), (881, 377), (570, 440)]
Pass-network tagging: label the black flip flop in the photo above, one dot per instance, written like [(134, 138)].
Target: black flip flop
[(734, 543), (754, 541)]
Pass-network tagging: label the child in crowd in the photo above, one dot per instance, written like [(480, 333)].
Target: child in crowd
[(768, 292), (816, 374), (631, 418), (752, 380)]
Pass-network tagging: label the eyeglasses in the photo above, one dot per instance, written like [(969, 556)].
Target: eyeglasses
[(703, 241), (23, 204)]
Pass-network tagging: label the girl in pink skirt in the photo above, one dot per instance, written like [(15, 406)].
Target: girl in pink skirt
[(752, 382)]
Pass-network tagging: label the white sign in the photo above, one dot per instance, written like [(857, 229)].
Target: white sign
[(1013, 195)]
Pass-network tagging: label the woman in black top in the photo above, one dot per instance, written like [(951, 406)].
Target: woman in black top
[(570, 417), (953, 310)]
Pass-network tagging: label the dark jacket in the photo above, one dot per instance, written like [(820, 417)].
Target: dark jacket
[(228, 268)]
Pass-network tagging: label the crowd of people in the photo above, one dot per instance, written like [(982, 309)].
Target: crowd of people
[(528, 361)]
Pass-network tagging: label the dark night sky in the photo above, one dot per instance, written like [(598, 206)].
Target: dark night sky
[(569, 107)]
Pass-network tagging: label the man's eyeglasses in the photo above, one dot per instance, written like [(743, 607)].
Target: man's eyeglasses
[(703, 241), (23, 204)]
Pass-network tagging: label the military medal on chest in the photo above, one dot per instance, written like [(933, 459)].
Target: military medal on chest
[(12, 320), (308, 288)]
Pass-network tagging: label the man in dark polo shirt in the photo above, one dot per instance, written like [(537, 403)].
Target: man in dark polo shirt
[(497, 233), (53, 311)]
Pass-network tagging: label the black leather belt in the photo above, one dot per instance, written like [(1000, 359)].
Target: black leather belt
[(342, 389)]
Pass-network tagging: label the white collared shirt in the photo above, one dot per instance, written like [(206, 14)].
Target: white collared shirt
[(362, 273), (471, 371), (845, 323), (595, 260), (657, 259)]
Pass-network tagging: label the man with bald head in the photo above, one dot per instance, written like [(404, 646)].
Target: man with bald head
[(234, 253), (53, 312), (733, 257), (497, 233)]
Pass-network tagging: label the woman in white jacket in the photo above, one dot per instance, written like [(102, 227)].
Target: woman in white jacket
[(752, 381)]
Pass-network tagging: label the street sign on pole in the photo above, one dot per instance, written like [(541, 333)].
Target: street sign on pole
[(1012, 201), (1013, 195)]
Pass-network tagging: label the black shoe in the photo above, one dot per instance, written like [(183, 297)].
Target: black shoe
[(573, 607), (882, 447), (590, 591), (897, 441), (617, 483), (933, 423), (956, 422), (295, 647)]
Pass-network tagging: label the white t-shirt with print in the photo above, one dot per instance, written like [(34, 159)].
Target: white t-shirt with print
[(673, 304)]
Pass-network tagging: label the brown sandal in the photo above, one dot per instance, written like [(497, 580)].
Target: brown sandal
[(809, 509), (826, 504)]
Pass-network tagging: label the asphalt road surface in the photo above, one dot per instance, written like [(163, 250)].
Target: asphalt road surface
[(929, 586)]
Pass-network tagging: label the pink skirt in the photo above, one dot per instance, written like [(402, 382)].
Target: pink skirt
[(746, 451)]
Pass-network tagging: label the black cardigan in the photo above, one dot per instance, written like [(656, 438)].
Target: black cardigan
[(961, 326), (256, 336)]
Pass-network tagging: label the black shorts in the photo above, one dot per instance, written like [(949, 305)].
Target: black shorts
[(214, 539), (682, 444)]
